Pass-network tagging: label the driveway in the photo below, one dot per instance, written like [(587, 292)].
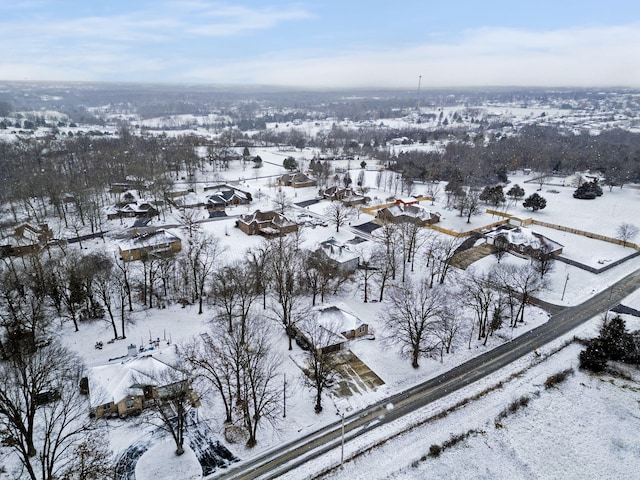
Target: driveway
[(211, 454)]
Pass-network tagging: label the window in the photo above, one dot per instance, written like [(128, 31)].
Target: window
[(130, 402)]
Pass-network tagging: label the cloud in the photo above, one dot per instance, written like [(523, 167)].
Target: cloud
[(172, 43), (166, 22), (591, 56), (229, 20)]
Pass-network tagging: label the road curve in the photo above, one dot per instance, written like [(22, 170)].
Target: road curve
[(283, 458)]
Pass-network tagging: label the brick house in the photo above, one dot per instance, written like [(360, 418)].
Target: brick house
[(266, 223)]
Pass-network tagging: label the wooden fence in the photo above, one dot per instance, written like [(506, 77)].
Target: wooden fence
[(575, 231)]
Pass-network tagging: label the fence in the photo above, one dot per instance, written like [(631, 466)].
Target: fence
[(596, 236), (468, 232), (575, 231)]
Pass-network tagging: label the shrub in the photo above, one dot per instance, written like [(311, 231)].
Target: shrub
[(435, 450), (557, 378)]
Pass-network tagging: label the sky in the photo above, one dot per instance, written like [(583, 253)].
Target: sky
[(324, 43)]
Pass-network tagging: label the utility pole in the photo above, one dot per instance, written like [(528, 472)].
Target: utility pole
[(284, 396), (565, 287), (342, 442)]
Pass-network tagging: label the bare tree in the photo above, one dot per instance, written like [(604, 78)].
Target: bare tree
[(321, 364), (213, 361), (107, 289), (322, 275), (338, 213), (412, 238), (519, 282), (412, 317), (433, 190), (189, 218), (123, 272), (626, 232), (235, 291), (449, 325), (543, 262), (438, 252), (285, 272), (367, 270), (261, 396), (43, 416), (258, 260), (469, 204), (477, 292), (202, 256), (170, 399), (282, 202), (92, 460), (389, 236)]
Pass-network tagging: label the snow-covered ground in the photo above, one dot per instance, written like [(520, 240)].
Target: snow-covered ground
[(553, 435)]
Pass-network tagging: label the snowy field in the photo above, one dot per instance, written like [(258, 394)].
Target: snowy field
[(584, 428)]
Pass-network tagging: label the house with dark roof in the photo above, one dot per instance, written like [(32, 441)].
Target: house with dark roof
[(221, 199), (296, 180), (265, 223), (139, 209)]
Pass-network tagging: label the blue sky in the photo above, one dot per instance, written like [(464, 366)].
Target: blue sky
[(325, 43)]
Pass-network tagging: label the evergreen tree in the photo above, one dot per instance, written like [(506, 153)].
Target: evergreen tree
[(516, 192), (535, 202)]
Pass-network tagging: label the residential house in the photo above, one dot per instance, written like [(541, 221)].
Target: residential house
[(220, 199), (138, 209), (131, 385), (336, 193), (189, 200), (26, 239), (523, 241), (130, 184), (339, 254), (265, 223), (407, 201), (333, 326), (296, 180), (347, 323), (401, 212), (144, 242)]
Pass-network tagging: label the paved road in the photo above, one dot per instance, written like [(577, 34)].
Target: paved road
[(275, 462)]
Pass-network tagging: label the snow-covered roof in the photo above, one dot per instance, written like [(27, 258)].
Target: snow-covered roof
[(331, 316), (113, 382), (337, 251), (266, 217), (526, 237), (413, 211), (148, 239)]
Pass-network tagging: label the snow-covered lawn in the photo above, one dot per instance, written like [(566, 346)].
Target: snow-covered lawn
[(583, 428), (549, 428)]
